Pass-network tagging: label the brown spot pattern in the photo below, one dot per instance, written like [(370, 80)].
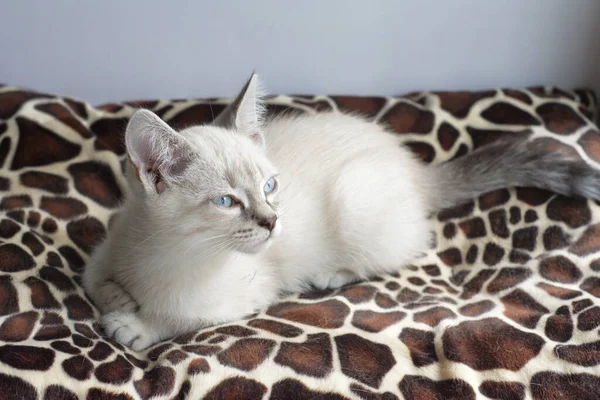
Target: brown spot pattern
[(474, 286), (14, 259), (559, 292), (63, 114), (293, 389), (78, 367), (45, 181), (115, 372), (108, 133), (587, 354), (18, 327), (407, 118), (492, 254), (555, 238), (238, 388), (507, 278), (17, 201), (525, 238), (421, 346), (502, 390), (57, 392), (372, 321), (459, 103), (312, 357), (41, 297), (86, 233), (358, 294), (556, 386), (363, 360), (328, 314), (96, 181), (589, 319), (159, 381), (592, 286), (475, 344), (8, 228), (476, 309), (276, 327), (591, 144), (559, 118), (451, 257), (247, 354), (434, 315), (419, 387), (559, 269), (473, 228), (26, 357), (573, 212), (493, 199), (559, 327), (588, 243), (447, 135), (63, 207), (506, 114), (522, 308), (14, 388)]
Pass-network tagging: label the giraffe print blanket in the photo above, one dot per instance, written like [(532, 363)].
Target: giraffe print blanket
[(506, 305)]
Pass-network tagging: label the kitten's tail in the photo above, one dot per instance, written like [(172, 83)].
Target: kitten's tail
[(512, 163)]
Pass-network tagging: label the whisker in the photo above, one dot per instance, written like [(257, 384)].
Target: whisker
[(145, 240)]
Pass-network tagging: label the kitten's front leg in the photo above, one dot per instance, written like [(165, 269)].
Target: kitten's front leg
[(121, 320), (130, 330), (111, 296)]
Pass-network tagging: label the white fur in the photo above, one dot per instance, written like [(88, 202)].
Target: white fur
[(351, 204)]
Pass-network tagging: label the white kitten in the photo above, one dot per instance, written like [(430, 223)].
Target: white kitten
[(221, 218)]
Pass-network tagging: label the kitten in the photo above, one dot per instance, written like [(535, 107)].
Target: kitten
[(222, 218)]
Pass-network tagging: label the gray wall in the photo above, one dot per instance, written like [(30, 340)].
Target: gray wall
[(129, 49)]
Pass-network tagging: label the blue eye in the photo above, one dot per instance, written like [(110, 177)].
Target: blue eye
[(223, 201), (270, 186)]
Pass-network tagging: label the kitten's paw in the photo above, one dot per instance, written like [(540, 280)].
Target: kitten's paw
[(128, 329), (113, 297), (336, 280), (341, 278)]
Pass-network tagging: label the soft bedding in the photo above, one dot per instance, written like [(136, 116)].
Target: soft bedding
[(505, 305)]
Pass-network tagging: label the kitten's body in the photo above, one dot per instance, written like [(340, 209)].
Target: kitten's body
[(344, 204), (352, 204)]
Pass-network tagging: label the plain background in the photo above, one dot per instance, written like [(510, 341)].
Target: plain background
[(141, 49)]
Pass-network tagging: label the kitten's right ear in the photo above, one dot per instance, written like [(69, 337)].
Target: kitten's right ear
[(158, 154)]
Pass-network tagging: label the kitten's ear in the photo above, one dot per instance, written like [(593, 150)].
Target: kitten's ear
[(245, 114), (158, 154)]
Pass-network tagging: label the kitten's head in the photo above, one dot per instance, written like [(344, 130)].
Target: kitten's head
[(212, 183)]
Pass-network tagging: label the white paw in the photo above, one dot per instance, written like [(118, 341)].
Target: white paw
[(335, 280), (321, 282), (342, 278), (112, 297), (127, 329)]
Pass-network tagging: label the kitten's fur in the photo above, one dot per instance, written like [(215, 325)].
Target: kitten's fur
[(351, 203)]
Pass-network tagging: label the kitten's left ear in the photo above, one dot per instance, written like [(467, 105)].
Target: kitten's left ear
[(245, 114)]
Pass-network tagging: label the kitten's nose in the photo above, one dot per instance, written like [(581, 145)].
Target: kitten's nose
[(267, 223)]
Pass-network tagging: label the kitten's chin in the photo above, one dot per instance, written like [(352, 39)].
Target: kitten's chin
[(254, 248)]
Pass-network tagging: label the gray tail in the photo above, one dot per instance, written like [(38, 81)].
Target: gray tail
[(512, 163)]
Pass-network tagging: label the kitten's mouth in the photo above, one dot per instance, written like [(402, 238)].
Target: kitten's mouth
[(252, 242), (254, 245)]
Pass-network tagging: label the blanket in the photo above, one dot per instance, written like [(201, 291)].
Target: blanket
[(505, 305)]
